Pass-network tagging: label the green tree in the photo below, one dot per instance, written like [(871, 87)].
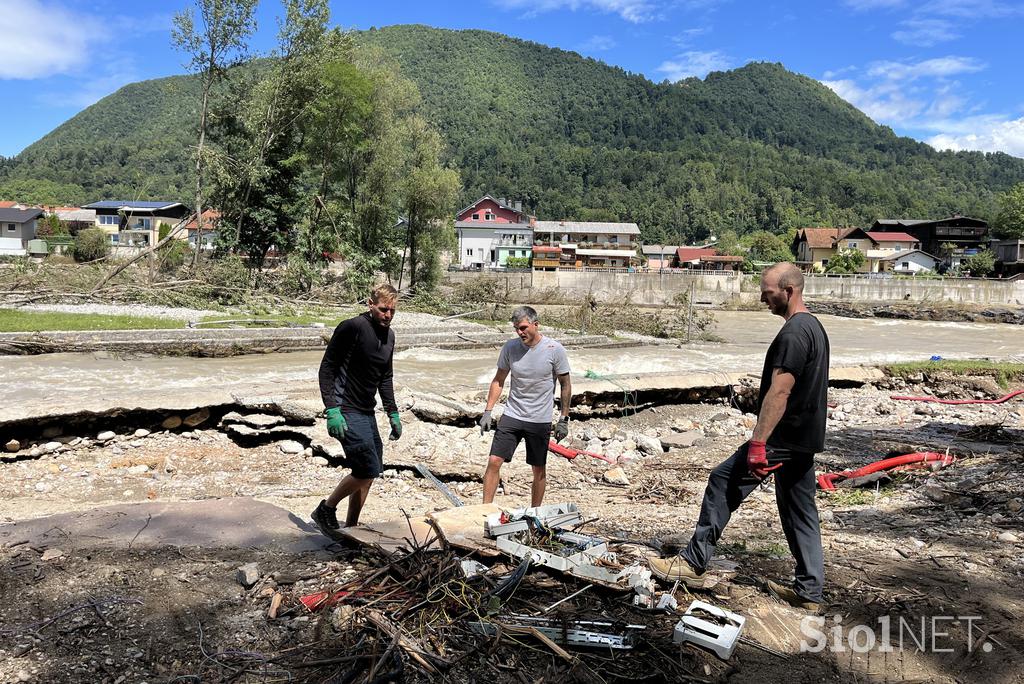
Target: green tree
[(90, 244), (767, 247), (980, 265), (50, 225), (846, 261), (1009, 224), (219, 43), (429, 193)]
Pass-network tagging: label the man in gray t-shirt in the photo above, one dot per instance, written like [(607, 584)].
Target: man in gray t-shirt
[(535, 362)]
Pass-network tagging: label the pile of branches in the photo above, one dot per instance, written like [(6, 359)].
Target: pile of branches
[(409, 617)]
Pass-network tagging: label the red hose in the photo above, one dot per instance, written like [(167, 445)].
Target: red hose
[(827, 481), (1000, 400), (569, 453)]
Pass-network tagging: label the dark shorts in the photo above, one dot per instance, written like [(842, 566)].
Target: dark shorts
[(510, 432), (364, 449)]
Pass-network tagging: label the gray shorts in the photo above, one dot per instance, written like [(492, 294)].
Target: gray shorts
[(510, 432)]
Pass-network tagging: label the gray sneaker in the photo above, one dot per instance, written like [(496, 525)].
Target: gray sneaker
[(326, 519)]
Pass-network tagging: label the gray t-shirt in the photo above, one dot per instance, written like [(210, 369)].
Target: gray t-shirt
[(533, 372)]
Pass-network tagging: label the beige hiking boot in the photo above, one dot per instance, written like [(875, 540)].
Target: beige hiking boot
[(794, 599), (674, 569)]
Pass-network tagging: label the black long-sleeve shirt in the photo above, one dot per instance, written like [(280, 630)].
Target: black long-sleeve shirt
[(357, 365)]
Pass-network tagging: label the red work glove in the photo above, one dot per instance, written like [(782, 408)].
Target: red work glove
[(757, 460)]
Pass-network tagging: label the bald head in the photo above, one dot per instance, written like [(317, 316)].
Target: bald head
[(787, 274)]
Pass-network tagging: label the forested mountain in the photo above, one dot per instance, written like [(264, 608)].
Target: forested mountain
[(755, 148)]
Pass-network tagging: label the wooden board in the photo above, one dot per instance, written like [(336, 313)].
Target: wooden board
[(463, 527), (394, 536)]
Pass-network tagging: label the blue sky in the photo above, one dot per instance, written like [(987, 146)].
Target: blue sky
[(947, 72)]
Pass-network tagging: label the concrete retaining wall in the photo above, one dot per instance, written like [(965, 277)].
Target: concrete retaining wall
[(661, 288), (924, 290)]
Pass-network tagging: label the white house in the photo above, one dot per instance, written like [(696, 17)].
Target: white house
[(17, 227), (909, 262), (490, 230)]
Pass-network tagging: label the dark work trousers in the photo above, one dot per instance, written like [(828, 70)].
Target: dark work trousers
[(731, 482)]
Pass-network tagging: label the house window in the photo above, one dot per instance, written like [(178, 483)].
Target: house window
[(476, 217), (469, 252), (824, 263), (11, 227), (115, 238), (144, 223), (899, 248), (905, 265), (108, 219), (488, 216), (851, 245)]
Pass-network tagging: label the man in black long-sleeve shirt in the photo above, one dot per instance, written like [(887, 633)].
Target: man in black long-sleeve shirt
[(355, 367)]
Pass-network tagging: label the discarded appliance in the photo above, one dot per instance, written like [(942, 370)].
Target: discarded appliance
[(581, 633), (716, 629)]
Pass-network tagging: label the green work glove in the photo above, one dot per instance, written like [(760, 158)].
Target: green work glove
[(336, 424), (396, 426)]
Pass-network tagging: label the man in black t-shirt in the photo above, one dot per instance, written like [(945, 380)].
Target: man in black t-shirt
[(355, 367), (790, 429)]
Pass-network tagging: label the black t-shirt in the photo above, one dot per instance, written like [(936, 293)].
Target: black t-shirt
[(357, 364), (800, 348)]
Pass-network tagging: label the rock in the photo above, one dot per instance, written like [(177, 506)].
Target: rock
[(616, 476), (1014, 505), (683, 440), (53, 431), (24, 676), (749, 422), (197, 418), (105, 436), (298, 412), (140, 469), (1008, 537), (135, 443), (42, 487), (51, 447), (719, 417), (13, 446), (52, 554), (319, 461), (241, 430), (248, 574), (604, 434), (171, 422), (142, 432), (290, 447), (261, 420), (307, 452)]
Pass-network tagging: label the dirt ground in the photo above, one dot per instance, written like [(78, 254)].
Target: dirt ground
[(939, 555)]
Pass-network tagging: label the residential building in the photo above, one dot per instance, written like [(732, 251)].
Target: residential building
[(815, 246), (1009, 257), (491, 230), (908, 262), (706, 259), (660, 257), (951, 238), (17, 227), (590, 244), (211, 218), (136, 224)]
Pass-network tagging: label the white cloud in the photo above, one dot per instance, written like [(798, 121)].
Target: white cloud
[(694, 63), (988, 134), (635, 11), (684, 39), (937, 67), (925, 32), (885, 103), (42, 39), (972, 9), (597, 44)]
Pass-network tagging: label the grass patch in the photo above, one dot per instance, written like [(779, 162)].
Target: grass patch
[(16, 320), (1002, 373), (858, 496)]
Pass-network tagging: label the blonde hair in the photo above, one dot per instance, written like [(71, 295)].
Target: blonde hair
[(384, 293)]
